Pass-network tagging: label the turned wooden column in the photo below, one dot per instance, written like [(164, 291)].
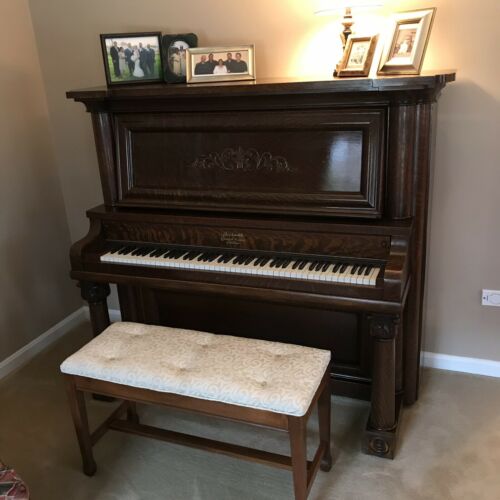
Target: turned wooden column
[(96, 294), (380, 439)]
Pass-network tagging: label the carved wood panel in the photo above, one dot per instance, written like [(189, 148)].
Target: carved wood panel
[(323, 162)]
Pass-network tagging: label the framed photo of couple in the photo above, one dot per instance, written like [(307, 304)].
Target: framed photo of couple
[(132, 57)]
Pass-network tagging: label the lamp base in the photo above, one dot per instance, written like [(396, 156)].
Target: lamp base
[(347, 22)]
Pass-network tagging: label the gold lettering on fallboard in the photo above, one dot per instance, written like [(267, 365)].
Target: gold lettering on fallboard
[(232, 239)]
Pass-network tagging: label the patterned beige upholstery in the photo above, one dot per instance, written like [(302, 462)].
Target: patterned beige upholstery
[(246, 372)]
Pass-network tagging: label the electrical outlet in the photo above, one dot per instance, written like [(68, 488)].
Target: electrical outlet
[(491, 298)]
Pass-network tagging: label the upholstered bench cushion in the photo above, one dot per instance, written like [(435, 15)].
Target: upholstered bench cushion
[(254, 373)]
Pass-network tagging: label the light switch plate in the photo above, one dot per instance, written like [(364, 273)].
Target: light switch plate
[(491, 298)]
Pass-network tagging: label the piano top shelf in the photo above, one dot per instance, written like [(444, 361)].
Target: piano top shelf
[(269, 86)]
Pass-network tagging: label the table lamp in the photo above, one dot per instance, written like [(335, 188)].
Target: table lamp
[(331, 7)]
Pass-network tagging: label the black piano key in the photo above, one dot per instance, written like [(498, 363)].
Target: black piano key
[(361, 270), (221, 258), (126, 250), (326, 265), (296, 264), (343, 267), (302, 264), (249, 259), (272, 263), (155, 253), (319, 266), (354, 269), (336, 267), (264, 261)]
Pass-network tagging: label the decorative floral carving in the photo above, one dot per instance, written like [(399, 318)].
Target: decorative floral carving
[(242, 160)]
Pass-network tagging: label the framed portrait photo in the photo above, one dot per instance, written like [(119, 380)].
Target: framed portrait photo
[(358, 56), (174, 52), (132, 58), (404, 51), (215, 64)]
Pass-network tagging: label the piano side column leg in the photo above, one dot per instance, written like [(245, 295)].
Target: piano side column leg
[(381, 430), (95, 294)]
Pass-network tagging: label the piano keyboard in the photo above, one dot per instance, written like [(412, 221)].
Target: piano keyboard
[(246, 263)]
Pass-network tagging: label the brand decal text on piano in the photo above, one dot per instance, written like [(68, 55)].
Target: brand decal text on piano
[(244, 160), (232, 239)]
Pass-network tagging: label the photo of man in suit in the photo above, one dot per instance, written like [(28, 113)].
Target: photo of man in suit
[(113, 52), (229, 63), (239, 66), (143, 59), (128, 58), (150, 60), (211, 62), (203, 67)]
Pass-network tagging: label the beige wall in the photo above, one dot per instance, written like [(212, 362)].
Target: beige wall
[(35, 292), (290, 40)]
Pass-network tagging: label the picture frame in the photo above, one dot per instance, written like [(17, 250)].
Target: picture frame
[(206, 64), (358, 56), (174, 55), (405, 48), (132, 58)]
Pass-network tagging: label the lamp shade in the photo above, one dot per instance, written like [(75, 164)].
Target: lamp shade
[(328, 7)]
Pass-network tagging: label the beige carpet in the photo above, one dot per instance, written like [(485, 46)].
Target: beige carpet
[(450, 446)]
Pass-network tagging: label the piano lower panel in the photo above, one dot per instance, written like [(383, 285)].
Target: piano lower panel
[(344, 333)]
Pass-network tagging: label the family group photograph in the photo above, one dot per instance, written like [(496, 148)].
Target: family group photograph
[(133, 58), (221, 63)]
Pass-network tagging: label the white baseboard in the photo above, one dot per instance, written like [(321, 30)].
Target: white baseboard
[(463, 364), (29, 351)]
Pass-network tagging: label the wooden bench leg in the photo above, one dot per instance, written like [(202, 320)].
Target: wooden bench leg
[(324, 417), (132, 415), (80, 420), (297, 428)]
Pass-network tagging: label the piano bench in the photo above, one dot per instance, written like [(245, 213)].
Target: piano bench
[(258, 382)]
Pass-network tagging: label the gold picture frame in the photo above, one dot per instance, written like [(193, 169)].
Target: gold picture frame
[(220, 64), (404, 53), (358, 56)]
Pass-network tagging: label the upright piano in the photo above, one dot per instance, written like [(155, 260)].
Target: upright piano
[(287, 210)]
